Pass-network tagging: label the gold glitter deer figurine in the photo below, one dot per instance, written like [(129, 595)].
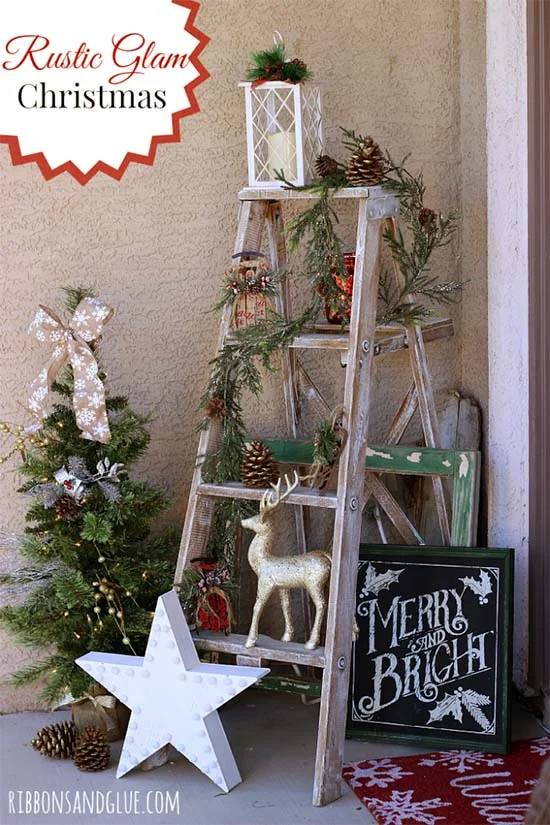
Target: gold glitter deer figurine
[(284, 573)]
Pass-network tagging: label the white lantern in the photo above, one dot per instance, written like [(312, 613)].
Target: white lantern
[(284, 132)]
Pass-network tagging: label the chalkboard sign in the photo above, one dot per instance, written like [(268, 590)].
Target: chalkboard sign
[(432, 661)]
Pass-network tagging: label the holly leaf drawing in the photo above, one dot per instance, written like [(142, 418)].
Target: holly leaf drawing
[(450, 705), (480, 588), (375, 582)]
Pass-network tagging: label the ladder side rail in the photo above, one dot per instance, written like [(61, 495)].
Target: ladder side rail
[(198, 517), (347, 524)]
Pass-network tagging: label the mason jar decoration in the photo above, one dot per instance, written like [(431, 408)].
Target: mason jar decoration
[(283, 120)]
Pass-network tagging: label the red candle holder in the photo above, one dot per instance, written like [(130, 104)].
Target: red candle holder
[(345, 288)]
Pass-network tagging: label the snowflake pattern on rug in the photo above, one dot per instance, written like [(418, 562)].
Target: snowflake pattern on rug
[(452, 787), (401, 808), (541, 746), (373, 773), (461, 761)]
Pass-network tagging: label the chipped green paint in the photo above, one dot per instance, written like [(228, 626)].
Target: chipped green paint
[(390, 458), (462, 466), (282, 684)]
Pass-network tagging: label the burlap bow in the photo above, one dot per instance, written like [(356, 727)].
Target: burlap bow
[(101, 703), (71, 344)]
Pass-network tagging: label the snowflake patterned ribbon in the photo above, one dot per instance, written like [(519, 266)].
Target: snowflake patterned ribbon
[(71, 344)]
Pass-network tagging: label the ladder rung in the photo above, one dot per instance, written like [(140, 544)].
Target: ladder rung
[(304, 496), (316, 340), (265, 648), (388, 338)]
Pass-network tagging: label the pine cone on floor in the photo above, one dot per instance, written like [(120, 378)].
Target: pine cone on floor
[(326, 166), (258, 467), (367, 165), (92, 751), (66, 507), (56, 741)]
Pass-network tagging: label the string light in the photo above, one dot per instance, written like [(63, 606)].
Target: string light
[(21, 439), (101, 559)]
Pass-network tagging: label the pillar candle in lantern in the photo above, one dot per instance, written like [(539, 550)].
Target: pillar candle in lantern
[(282, 154)]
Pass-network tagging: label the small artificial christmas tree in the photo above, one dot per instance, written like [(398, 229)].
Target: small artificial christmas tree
[(93, 573)]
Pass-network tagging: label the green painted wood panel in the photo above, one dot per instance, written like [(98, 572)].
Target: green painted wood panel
[(462, 466), (394, 459)]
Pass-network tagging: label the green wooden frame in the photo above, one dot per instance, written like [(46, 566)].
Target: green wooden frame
[(462, 466)]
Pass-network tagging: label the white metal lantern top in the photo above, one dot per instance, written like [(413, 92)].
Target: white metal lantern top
[(284, 132)]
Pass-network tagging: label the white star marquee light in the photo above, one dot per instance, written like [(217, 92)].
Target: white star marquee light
[(173, 696)]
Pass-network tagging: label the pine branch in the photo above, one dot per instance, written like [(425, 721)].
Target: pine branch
[(75, 294), (472, 706), (272, 64)]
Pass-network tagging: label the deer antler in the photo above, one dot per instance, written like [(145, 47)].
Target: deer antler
[(272, 499)]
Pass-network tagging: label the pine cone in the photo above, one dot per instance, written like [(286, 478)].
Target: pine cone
[(66, 507), (92, 751), (322, 289), (258, 467), (56, 741), (215, 408), (367, 165), (427, 217), (326, 166)]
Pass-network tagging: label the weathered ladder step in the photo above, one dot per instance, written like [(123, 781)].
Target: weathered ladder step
[(266, 649), (304, 496), (388, 338)]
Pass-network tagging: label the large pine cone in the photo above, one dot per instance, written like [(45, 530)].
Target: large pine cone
[(66, 507), (92, 751), (258, 467), (367, 166), (56, 741)]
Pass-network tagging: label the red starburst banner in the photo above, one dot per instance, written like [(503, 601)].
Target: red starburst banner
[(85, 94)]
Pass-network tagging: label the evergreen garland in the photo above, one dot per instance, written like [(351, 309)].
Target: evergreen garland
[(427, 231)]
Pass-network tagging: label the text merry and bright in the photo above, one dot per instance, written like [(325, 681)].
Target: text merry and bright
[(440, 646)]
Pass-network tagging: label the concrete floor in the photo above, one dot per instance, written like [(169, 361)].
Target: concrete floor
[(273, 738)]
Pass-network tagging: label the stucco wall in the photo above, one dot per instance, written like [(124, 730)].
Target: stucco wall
[(156, 244)]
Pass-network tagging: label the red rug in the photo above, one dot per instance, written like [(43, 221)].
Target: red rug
[(450, 787)]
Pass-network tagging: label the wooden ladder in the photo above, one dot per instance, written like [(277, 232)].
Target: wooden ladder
[(261, 210)]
